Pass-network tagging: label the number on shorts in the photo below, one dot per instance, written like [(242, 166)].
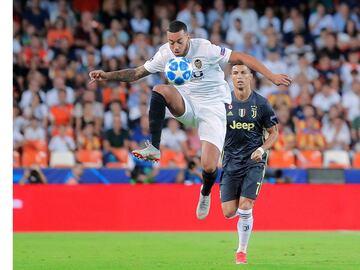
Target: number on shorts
[(258, 187)]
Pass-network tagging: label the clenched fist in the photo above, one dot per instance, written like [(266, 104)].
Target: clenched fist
[(257, 155), (97, 75)]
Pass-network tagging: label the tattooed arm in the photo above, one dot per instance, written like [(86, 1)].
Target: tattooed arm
[(124, 75)]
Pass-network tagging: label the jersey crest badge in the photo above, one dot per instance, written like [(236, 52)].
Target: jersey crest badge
[(222, 51), (198, 63), (253, 111), (242, 112)]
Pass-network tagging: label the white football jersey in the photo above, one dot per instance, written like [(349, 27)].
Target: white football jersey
[(207, 83)]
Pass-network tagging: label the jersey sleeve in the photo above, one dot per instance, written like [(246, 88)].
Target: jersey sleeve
[(155, 63), (269, 118), (219, 54)]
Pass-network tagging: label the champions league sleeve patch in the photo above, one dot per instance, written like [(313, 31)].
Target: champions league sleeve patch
[(222, 51)]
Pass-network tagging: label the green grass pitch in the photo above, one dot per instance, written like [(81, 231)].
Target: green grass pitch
[(183, 251)]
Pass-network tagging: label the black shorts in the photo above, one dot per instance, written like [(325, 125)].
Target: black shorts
[(246, 183)]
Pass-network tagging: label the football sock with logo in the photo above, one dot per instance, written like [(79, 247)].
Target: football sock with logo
[(156, 117), (208, 181), (244, 227)]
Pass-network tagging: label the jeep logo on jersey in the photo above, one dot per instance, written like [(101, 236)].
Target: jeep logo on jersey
[(242, 112), (198, 63), (253, 111), (242, 125)]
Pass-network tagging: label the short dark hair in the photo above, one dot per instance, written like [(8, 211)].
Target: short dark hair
[(177, 26)]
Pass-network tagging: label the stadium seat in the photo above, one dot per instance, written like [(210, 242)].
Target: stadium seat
[(16, 159), (309, 159), (116, 165), (356, 160), (336, 159), (110, 94), (62, 159), (172, 158), (89, 158), (121, 154), (31, 157), (282, 159), (36, 145)]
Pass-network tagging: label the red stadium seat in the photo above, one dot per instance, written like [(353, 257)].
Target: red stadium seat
[(309, 159), (282, 159), (89, 158)]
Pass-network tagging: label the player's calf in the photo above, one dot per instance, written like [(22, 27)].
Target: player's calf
[(208, 181), (156, 117), (244, 227)]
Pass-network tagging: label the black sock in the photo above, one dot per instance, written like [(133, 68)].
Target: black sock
[(208, 181), (156, 117)]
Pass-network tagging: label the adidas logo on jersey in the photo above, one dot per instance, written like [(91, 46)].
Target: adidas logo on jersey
[(230, 113)]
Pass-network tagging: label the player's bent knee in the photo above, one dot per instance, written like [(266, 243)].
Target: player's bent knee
[(229, 211), (161, 89), (246, 204), (230, 214), (209, 167)]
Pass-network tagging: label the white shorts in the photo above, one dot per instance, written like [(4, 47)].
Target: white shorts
[(208, 118)]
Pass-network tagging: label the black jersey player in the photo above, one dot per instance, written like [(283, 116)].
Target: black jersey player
[(249, 118)]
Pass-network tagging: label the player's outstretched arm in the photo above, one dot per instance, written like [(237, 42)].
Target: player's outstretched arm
[(124, 75), (254, 64), (269, 142)]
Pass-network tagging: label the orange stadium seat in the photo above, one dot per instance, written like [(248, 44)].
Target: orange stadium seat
[(356, 160), (309, 159), (16, 159), (171, 158), (282, 159), (109, 94), (89, 158), (121, 154), (36, 145), (34, 157), (116, 165)]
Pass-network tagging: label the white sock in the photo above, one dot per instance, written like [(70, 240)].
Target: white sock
[(244, 227)]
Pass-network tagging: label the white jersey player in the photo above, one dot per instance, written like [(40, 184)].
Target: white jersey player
[(200, 103)]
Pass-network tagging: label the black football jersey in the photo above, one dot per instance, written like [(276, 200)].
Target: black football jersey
[(246, 125)]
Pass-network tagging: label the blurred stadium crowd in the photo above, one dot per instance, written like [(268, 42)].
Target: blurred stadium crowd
[(60, 119)]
